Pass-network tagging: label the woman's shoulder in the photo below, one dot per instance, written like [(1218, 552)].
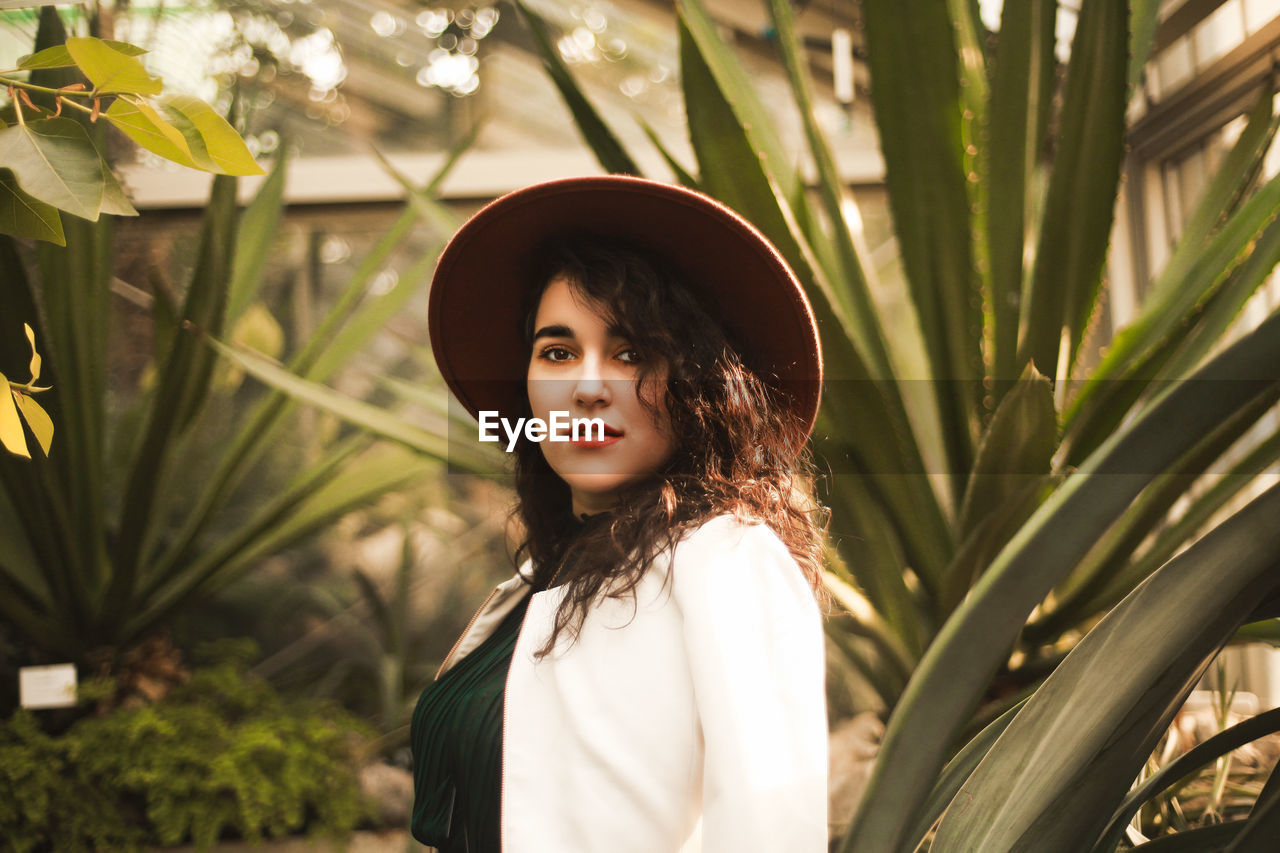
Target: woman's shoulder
[(741, 564), (728, 538), (729, 529)]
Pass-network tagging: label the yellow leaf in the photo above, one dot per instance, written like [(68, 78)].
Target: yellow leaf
[(37, 419), (141, 123), (35, 356), (226, 150), (11, 435), (111, 70)]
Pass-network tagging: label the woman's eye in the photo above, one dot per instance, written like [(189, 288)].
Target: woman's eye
[(630, 356), (555, 354)]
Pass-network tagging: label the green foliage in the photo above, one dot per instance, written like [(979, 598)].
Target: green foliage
[(49, 163), (142, 512), (223, 754), (1066, 489)]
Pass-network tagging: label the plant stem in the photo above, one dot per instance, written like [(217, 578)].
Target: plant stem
[(28, 388), (22, 84), (81, 107)]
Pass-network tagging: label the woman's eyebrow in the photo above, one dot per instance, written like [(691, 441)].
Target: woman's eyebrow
[(553, 331)]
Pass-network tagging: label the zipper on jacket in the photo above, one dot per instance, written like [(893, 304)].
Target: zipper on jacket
[(465, 631)]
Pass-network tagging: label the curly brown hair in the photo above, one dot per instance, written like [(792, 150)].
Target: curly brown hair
[(735, 454)]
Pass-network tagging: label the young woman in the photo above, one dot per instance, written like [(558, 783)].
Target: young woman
[(651, 680)]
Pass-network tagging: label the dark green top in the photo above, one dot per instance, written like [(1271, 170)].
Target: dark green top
[(456, 737)]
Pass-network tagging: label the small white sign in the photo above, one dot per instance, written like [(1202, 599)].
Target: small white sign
[(47, 686)]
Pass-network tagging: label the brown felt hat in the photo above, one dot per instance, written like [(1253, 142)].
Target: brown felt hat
[(477, 295)]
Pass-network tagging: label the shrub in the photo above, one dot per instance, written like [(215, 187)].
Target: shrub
[(224, 754)]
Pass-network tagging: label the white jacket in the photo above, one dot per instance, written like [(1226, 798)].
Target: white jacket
[(700, 704)]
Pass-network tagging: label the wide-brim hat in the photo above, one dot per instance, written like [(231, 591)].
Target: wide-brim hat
[(475, 314)]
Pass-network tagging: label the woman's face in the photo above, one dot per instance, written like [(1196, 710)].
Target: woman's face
[(582, 365)]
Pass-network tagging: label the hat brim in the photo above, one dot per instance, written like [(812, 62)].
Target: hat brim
[(475, 306)]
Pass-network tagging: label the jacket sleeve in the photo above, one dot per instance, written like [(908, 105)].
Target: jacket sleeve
[(753, 636)]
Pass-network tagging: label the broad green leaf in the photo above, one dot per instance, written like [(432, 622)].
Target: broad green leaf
[(1079, 208), (257, 234), (602, 141), (54, 161), (912, 58), (991, 533), (34, 367), (37, 419), (1017, 119), (114, 201), (1193, 759), (1047, 784), (11, 434), (224, 148), (111, 70), (24, 216), (145, 126), (125, 47), (977, 638), (1016, 447), (51, 57), (958, 770), (59, 57)]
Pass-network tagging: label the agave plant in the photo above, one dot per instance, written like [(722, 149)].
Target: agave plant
[(961, 605), (134, 515)]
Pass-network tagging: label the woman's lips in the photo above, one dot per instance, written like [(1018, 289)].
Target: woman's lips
[(611, 436)]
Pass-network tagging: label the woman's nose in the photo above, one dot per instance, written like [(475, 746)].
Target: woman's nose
[(590, 387)]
